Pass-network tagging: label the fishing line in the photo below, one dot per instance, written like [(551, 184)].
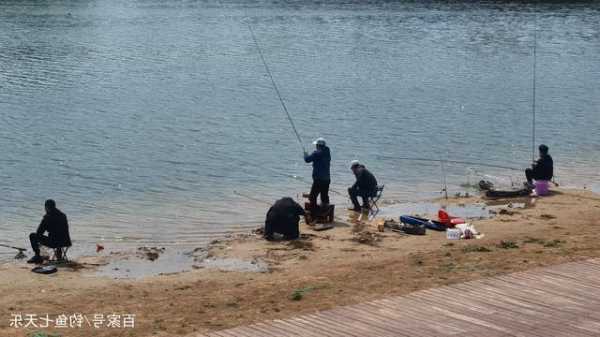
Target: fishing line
[(448, 161), (251, 198), (289, 117), (291, 176), (444, 183), (534, 79)]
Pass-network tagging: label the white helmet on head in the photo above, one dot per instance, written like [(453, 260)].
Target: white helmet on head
[(319, 141), (354, 164)]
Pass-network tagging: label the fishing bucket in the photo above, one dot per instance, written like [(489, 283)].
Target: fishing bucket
[(542, 187)]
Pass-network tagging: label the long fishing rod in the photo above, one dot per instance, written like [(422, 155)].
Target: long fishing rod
[(13, 247), (534, 79), (289, 117), (449, 162)]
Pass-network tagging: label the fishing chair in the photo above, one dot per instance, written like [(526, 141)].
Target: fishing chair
[(373, 208), (60, 254)]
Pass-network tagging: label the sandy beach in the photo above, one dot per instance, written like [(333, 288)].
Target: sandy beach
[(345, 265)]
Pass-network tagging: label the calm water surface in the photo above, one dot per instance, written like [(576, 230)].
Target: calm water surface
[(142, 117)]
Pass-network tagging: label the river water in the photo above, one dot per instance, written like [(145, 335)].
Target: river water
[(141, 118)]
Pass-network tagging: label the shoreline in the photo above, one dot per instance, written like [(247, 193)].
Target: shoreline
[(250, 280)]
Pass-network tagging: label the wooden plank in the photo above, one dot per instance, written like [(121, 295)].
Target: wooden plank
[(556, 301)]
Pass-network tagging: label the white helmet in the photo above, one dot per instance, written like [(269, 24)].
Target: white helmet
[(354, 163), (319, 141)]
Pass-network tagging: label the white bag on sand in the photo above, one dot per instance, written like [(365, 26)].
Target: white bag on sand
[(453, 234), (468, 231)]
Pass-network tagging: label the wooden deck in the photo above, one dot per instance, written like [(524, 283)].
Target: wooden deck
[(563, 300)]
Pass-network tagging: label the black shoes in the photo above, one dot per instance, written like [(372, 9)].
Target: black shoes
[(36, 260)]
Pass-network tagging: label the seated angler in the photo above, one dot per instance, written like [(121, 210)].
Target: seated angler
[(283, 218), (364, 187), (56, 224), (542, 169)]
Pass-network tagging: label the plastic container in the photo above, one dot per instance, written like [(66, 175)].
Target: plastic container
[(448, 220), (542, 187), (453, 234)]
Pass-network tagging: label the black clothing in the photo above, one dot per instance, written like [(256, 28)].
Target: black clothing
[(56, 224), (365, 195), (319, 187), (542, 169), (364, 187), (365, 180), (283, 218), (37, 240), (321, 159)]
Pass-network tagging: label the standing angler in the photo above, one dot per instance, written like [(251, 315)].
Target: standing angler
[(321, 159)]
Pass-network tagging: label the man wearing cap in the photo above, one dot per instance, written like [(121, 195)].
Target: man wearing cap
[(364, 187), (320, 159), (542, 169)]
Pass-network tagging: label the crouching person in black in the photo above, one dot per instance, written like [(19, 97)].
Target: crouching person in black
[(56, 224), (283, 218)]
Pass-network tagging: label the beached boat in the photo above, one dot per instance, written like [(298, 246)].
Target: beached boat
[(430, 224)]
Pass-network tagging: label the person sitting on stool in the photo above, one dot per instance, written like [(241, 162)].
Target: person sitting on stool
[(364, 187), (320, 159), (541, 169), (56, 224)]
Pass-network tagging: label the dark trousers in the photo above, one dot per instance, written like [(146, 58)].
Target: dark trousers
[(289, 229), (365, 195), (531, 174), (319, 187), (37, 240)]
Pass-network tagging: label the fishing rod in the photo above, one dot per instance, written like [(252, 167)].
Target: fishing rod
[(267, 203), (449, 162), (289, 117), (13, 247)]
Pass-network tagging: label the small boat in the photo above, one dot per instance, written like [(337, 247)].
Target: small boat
[(524, 192), (430, 224)]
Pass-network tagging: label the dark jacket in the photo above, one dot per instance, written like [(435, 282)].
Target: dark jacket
[(321, 159), (365, 181), (56, 224), (543, 168), (283, 218)]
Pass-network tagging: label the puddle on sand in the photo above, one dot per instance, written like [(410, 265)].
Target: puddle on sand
[(144, 263), (228, 264), (430, 210), (132, 266)]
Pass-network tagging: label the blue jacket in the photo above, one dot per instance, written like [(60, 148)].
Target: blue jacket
[(321, 159)]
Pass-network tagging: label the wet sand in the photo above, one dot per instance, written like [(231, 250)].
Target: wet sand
[(245, 279)]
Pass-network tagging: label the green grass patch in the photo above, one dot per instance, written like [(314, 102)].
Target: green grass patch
[(554, 243), (42, 334), (508, 244), (476, 249), (534, 240), (298, 294)]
